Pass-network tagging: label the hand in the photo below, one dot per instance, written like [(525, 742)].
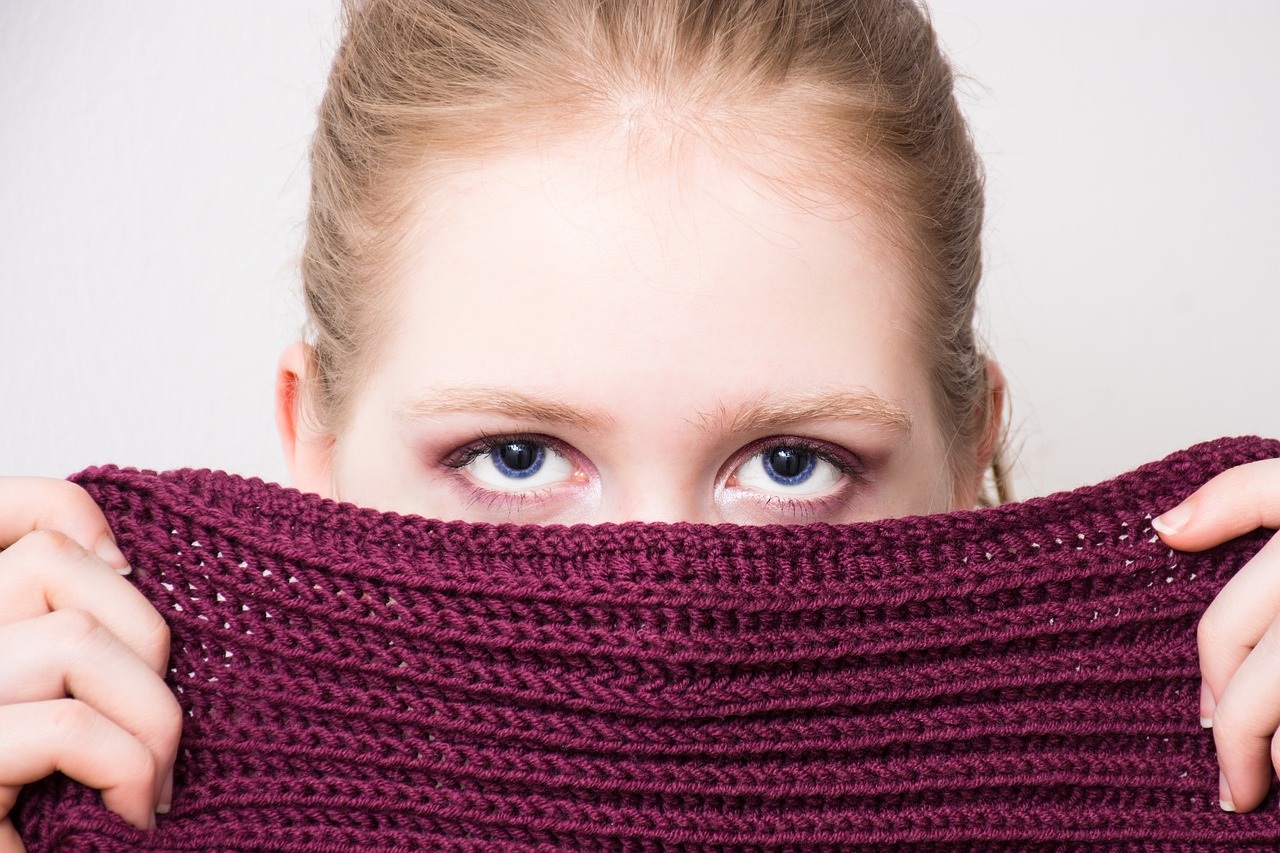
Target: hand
[(1239, 635), (82, 659)]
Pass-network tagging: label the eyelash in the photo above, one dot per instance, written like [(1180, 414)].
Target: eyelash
[(846, 463), (803, 507), (502, 501), (486, 443)]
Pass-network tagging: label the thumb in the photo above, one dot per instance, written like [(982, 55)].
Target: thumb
[(34, 503), (1231, 504)]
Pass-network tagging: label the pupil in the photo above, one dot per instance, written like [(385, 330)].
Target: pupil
[(788, 463), (518, 455)]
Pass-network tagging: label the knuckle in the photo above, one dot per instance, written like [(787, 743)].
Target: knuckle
[(64, 505), (154, 634), (69, 720), (1268, 648), (66, 495), (142, 765), (1209, 633), (78, 627), (155, 629), (170, 725), (74, 725), (1236, 724), (1224, 720), (133, 762), (47, 544)]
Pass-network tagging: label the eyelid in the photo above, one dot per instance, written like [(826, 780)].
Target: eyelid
[(477, 491), (781, 508), (845, 461), (467, 453)]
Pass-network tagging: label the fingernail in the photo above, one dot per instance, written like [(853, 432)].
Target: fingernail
[(1224, 793), (166, 794), (109, 552), (1173, 520), (1207, 705)]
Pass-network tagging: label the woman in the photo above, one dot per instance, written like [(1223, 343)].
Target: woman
[(721, 268)]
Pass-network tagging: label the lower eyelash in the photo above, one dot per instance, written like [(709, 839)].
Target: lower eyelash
[(799, 507), (505, 501), (790, 509), (496, 500), (510, 503)]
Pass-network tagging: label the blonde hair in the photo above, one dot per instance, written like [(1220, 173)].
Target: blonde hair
[(861, 85)]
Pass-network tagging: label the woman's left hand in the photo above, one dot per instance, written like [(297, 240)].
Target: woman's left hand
[(1239, 635)]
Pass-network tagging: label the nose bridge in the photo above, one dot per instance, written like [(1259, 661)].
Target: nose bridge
[(657, 466), (657, 495)]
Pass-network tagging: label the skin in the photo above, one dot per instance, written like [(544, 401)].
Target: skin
[(1239, 635), (568, 294), (662, 325)]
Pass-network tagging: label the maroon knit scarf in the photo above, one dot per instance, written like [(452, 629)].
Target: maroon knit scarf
[(1022, 678)]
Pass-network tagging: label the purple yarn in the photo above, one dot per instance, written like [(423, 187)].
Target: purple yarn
[(1020, 678)]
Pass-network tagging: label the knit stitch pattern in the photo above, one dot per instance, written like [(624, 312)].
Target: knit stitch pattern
[(1022, 678)]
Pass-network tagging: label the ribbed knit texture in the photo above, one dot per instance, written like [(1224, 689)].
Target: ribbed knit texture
[(1022, 678)]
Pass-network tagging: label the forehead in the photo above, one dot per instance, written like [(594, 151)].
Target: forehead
[(591, 267)]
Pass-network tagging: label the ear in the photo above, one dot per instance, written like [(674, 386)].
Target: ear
[(308, 453), (989, 444)]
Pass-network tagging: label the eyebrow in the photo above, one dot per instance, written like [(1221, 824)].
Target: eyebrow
[(755, 416), (772, 413), (499, 401)]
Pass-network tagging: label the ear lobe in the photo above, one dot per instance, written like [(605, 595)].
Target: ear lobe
[(308, 453), (989, 445)]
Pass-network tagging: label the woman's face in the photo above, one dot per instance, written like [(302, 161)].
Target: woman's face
[(589, 333)]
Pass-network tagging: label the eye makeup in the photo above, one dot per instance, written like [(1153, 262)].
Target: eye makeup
[(533, 478), (828, 478)]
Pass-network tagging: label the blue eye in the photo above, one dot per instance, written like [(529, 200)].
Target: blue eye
[(516, 464), (518, 459), (788, 469), (789, 466)]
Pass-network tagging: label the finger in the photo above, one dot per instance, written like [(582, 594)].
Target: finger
[(35, 503), (1236, 621), (9, 840), (46, 570), (1236, 501), (1245, 722), (72, 653), (39, 738), (166, 790)]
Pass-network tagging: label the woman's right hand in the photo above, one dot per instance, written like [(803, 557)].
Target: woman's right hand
[(82, 659)]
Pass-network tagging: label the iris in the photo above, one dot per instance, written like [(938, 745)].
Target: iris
[(518, 459), (789, 466)]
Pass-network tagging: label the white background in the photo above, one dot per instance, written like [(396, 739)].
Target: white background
[(153, 187)]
